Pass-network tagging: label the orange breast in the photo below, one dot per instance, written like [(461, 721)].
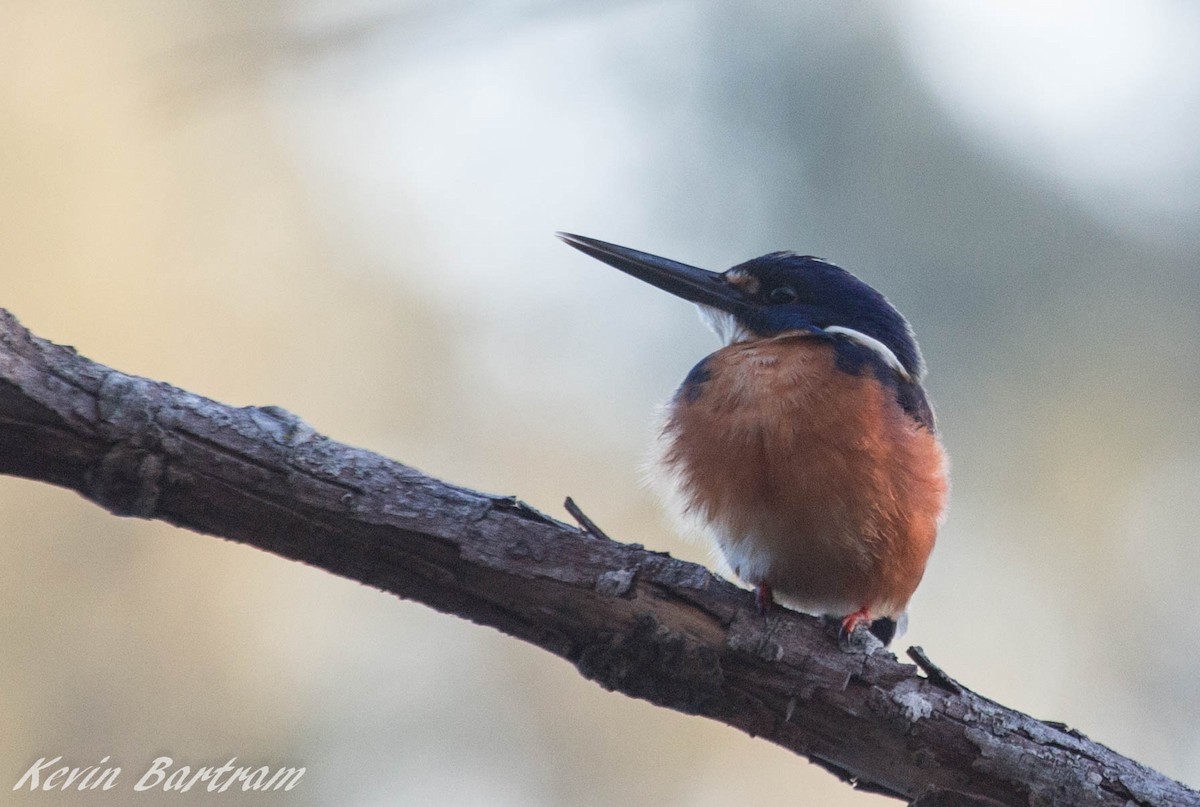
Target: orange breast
[(809, 479)]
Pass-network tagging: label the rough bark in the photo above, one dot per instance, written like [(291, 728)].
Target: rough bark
[(634, 621)]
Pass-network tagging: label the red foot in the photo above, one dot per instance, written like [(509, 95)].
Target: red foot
[(763, 598), (852, 621)]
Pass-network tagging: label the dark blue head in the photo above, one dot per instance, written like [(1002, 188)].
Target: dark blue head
[(775, 294)]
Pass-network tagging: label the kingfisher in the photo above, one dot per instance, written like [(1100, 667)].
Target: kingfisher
[(805, 448)]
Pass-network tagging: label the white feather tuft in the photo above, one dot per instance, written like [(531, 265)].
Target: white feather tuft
[(883, 351)]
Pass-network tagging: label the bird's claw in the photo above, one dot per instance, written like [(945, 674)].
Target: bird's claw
[(850, 638)]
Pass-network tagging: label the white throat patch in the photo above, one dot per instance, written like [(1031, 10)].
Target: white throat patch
[(724, 325)]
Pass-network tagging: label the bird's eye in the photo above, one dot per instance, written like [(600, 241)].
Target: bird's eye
[(782, 294)]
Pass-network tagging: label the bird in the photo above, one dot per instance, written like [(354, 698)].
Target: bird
[(805, 448)]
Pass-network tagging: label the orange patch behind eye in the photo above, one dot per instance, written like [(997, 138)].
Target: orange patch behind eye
[(748, 283)]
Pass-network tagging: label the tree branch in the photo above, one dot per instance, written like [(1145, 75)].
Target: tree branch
[(634, 621)]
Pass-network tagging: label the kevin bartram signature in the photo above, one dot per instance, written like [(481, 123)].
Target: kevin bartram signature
[(162, 775)]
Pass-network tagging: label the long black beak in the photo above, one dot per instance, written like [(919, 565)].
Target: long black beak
[(696, 285)]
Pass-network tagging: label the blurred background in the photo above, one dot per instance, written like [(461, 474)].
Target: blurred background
[(346, 208)]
